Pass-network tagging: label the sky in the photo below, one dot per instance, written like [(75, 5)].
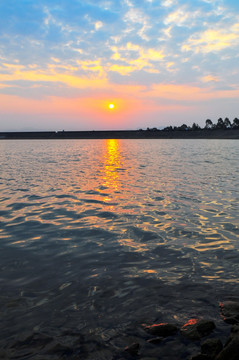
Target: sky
[(160, 62)]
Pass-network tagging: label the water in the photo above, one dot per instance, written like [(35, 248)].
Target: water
[(100, 236)]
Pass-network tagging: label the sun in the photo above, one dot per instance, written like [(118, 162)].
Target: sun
[(111, 106)]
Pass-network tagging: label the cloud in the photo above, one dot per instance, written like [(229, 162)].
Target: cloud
[(98, 25), (210, 78), (135, 58), (136, 17), (168, 3), (182, 17), (213, 40), (53, 75)]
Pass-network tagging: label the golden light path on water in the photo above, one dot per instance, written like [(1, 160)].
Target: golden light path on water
[(113, 161), (115, 179)]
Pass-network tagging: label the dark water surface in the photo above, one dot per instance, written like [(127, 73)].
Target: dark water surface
[(100, 236)]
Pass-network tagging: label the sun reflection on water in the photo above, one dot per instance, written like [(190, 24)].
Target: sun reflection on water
[(113, 164)]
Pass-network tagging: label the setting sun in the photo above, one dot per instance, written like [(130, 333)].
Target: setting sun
[(111, 106)]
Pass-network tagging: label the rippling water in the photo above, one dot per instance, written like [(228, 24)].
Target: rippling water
[(98, 236)]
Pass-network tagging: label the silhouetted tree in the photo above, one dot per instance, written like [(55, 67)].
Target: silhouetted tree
[(168, 128), (227, 123), (183, 127), (195, 127), (209, 124), (220, 124), (235, 123)]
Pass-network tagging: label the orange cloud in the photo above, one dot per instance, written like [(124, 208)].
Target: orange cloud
[(52, 74)]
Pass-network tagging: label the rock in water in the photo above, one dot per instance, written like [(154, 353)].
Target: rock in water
[(230, 351), (162, 329), (155, 340), (231, 348), (196, 329), (230, 312), (211, 347), (201, 357), (132, 349)]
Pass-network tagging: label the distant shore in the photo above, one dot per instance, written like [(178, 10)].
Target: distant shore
[(123, 134)]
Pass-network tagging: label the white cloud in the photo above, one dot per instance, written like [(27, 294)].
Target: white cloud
[(135, 16), (167, 31), (182, 17), (168, 3), (98, 25), (128, 3)]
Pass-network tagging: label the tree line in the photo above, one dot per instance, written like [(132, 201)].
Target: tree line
[(209, 125)]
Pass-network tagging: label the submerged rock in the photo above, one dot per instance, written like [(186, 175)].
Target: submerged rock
[(60, 350), (230, 312), (3, 355), (162, 329), (133, 349), (231, 348), (235, 331), (155, 340), (211, 347), (230, 351), (33, 340), (201, 357), (196, 329)]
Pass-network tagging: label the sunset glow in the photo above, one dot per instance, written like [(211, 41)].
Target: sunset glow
[(149, 64)]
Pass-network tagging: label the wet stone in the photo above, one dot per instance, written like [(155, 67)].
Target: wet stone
[(103, 354), (195, 329), (133, 349), (230, 351), (211, 347), (3, 355), (38, 341), (155, 340), (201, 357), (162, 329), (235, 330), (231, 348), (230, 312), (59, 349)]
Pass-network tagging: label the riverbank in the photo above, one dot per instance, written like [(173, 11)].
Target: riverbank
[(124, 134)]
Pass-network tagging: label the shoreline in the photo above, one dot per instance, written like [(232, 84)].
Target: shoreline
[(123, 134)]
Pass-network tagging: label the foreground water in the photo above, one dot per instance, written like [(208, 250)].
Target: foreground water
[(100, 236)]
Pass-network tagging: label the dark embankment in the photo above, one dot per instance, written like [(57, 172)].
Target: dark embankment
[(124, 134)]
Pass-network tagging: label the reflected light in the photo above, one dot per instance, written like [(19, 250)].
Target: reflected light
[(136, 246), (112, 163), (190, 323)]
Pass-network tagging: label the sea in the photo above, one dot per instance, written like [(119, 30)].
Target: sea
[(98, 237)]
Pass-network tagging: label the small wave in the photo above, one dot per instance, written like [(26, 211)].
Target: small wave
[(107, 215), (19, 205)]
